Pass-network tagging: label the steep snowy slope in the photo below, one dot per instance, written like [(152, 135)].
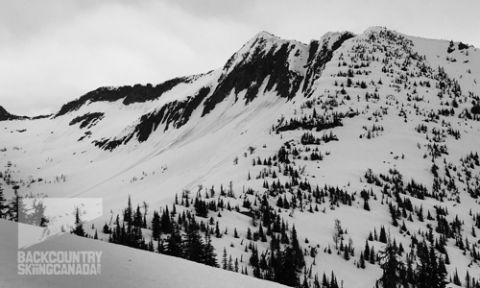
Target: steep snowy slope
[(63, 145), (379, 130)]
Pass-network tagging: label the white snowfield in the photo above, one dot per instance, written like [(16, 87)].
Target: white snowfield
[(46, 157), (120, 267)]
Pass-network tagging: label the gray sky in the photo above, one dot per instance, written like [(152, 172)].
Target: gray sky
[(52, 51)]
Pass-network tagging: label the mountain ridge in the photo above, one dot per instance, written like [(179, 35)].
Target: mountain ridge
[(5, 115)]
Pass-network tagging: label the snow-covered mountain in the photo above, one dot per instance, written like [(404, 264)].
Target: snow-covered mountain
[(378, 130)]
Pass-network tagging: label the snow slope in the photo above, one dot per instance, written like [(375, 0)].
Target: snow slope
[(121, 267)]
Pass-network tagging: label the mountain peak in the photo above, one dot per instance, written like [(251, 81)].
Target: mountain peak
[(262, 41), (265, 35), (378, 29), (375, 29)]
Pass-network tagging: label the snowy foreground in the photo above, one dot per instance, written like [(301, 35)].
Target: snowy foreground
[(121, 267)]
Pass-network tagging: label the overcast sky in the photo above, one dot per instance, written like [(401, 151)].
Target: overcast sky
[(53, 51)]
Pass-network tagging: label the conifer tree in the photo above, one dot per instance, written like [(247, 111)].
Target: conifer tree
[(383, 235), (333, 281), (362, 261), (174, 247), (145, 210), (366, 252), (78, 230), (210, 257), (372, 256), (156, 226), (456, 279), (106, 229), (193, 246), (224, 259), (325, 281), (430, 272), (235, 268), (217, 231), (346, 254), (296, 250), (391, 267), (128, 212), (316, 283), (137, 218), (165, 222), (289, 274), (3, 203)]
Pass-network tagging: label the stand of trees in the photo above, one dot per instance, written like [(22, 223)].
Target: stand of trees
[(179, 235)]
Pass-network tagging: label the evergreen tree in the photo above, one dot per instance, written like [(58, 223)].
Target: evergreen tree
[(78, 230), (217, 231), (441, 275), (391, 267), (106, 229), (165, 222), (333, 281), (325, 283), (372, 256), (254, 257), (430, 272), (361, 263), (174, 247), (127, 216), (137, 218), (366, 252), (224, 259), (316, 283), (288, 275), (467, 280), (145, 209), (297, 250), (160, 247), (156, 226), (456, 279), (193, 246), (346, 254), (3, 203), (383, 235)]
